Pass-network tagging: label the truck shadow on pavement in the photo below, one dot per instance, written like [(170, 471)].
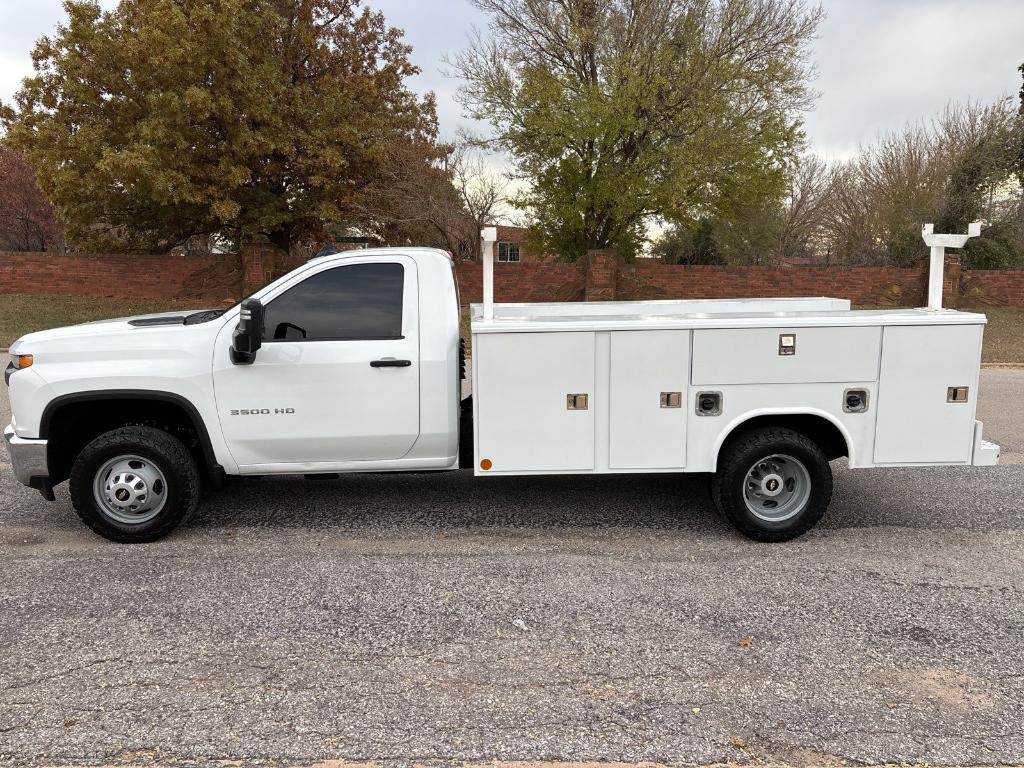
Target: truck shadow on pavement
[(942, 498), (457, 500), (456, 503)]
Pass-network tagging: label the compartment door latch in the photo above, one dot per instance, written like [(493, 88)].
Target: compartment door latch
[(576, 402), (957, 394)]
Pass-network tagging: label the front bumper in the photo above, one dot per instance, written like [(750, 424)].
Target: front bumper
[(28, 459)]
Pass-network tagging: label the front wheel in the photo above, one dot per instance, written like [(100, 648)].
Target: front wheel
[(772, 484), (134, 484)]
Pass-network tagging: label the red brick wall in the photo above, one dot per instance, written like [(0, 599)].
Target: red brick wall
[(520, 282), (596, 278), (997, 287), (160, 277), (861, 285), (215, 279)]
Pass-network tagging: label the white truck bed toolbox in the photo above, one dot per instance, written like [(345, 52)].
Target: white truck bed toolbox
[(615, 388)]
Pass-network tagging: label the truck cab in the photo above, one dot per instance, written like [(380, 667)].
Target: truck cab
[(355, 372)]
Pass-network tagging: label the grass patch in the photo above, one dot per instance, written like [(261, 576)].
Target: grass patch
[(1004, 334), (23, 313)]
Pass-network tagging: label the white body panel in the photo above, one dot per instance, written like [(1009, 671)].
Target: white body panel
[(521, 382), (916, 424), (114, 357), (642, 432), (751, 356), (741, 403)]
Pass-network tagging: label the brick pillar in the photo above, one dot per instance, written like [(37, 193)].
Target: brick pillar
[(951, 283), (600, 273), (258, 265)]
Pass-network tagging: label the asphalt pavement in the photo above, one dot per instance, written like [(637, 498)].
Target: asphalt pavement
[(438, 618)]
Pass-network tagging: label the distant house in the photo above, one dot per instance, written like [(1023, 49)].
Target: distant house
[(512, 247)]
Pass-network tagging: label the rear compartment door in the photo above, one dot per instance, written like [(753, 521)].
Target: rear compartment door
[(916, 423)]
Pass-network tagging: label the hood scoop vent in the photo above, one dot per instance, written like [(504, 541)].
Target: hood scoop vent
[(158, 320), (193, 318)]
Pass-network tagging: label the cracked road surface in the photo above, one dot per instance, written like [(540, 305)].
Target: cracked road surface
[(437, 617)]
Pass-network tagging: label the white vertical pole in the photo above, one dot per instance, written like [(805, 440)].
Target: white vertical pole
[(937, 265), (488, 236), (936, 270)]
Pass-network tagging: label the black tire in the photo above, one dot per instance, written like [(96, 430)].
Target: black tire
[(167, 453), (752, 449)]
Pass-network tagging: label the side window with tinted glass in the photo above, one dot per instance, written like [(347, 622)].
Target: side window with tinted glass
[(358, 301)]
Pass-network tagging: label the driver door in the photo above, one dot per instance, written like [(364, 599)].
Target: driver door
[(337, 378)]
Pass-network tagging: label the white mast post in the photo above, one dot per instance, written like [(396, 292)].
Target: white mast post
[(937, 265), (488, 237)]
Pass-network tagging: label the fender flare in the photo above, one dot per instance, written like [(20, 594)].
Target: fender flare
[(209, 457), (740, 420)]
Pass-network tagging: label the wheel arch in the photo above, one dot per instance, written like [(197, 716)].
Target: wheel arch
[(818, 425), (59, 420)]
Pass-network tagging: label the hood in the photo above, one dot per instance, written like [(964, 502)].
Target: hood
[(120, 325)]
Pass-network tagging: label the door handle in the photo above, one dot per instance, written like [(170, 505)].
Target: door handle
[(390, 362)]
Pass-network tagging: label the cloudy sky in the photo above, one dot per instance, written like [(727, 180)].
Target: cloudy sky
[(881, 63)]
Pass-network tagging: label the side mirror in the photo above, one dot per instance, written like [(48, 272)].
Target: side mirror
[(248, 335)]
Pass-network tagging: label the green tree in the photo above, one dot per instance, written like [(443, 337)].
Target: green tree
[(618, 111), (691, 244), (165, 119)]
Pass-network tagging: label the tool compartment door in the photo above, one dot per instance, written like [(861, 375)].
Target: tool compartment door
[(647, 401), (753, 355), (523, 419), (916, 423)]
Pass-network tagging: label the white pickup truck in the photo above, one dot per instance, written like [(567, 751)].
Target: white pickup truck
[(353, 363)]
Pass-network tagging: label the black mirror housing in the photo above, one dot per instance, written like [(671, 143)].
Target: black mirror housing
[(248, 335)]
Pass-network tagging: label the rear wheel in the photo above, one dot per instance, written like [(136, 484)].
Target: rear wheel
[(772, 484), (134, 484)]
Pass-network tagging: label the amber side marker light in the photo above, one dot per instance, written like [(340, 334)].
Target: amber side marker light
[(485, 464), (22, 361)]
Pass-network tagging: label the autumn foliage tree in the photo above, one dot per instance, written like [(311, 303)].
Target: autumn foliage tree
[(620, 112), (253, 119), (27, 220)]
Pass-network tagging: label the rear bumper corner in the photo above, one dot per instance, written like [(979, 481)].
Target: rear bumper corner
[(986, 453)]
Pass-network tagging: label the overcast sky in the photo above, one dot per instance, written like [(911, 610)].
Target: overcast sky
[(881, 63)]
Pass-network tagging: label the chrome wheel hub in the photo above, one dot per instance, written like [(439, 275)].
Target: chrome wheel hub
[(776, 488), (130, 489)]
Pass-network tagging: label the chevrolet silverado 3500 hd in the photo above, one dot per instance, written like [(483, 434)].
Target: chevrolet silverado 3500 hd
[(351, 363)]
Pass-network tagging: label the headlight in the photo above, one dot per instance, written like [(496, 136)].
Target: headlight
[(17, 363)]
